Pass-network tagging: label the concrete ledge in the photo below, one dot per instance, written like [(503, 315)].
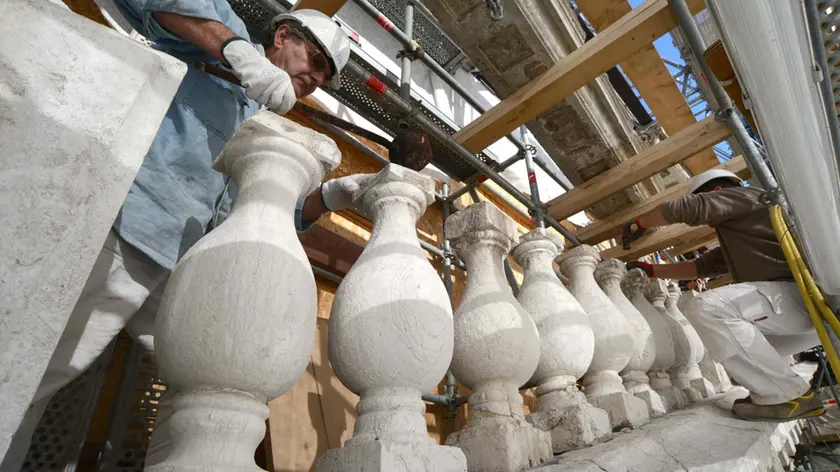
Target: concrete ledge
[(701, 438)]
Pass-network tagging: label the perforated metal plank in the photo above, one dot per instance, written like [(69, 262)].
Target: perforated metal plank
[(431, 38), (829, 12)]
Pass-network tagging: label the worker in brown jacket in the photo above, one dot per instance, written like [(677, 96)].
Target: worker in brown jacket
[(753, 324)]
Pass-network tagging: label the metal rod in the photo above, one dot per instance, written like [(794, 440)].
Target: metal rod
[(445, 248), (532, 178), (405, 76), (475, 180), (813, 19), (344, 136), (725, 110), (327, 274)]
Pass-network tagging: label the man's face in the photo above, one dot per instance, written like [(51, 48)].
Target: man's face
[(302, 60)]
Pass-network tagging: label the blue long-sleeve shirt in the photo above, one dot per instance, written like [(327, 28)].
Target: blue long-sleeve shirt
[(176, 192)]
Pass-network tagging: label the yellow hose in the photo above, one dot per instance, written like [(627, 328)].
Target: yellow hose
[(807, 288)]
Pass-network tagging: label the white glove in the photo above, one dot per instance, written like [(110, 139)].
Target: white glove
[(337, 194), (263, 81)]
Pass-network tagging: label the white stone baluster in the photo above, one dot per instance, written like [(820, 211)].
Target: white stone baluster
[(613, 342), (566, 348), (609, 275), (236, 322), (697, 349), (635, 285), (497, 348), (711, 370), (391, 335), (657, 294)]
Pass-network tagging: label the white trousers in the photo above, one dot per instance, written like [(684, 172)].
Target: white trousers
[(750, 328), (122, 291)]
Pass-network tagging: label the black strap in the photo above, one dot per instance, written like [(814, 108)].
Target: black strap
[(228, 41)]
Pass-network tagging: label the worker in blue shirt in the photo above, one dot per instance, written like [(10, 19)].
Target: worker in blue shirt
[(177, 195)]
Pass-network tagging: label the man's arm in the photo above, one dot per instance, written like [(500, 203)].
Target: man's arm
[(209, 35)]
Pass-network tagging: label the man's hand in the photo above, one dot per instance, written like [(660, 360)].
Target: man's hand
[(337, 194), (646, 268), (632, 231), (263, 81)]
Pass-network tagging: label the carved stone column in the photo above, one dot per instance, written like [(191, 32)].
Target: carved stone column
[(236, 322), (566, 348), (657, 293), (497, 348), (391, 335), (613, 342), (697, 349), (609, 275), (635, 285), (711, 370)]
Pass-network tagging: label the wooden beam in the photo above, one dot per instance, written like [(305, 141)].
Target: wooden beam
[(611, 226), (665, 237), (651, 78), (701, 135), (626, 36), (694, 244), (328, 7)]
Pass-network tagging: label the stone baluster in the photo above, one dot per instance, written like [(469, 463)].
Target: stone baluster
[(657, 293), (697, 349), (566, 348), (497, 348), (391, 335), (711, 370), (609, 275), (613, 342), (237, 319), (635, 285)]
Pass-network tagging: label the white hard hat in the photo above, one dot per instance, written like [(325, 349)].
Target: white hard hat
[(706, 177), (329, 35)]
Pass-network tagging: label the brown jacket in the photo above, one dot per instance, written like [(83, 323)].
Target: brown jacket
[(748, 248)]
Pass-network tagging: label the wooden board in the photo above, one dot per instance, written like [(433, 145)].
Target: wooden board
[(328, 7), (627, 36), (651, 78), (695, 244), (701, 135), (665, 237), (611, 226)]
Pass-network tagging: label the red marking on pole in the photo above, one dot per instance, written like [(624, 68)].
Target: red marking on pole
[(385, 23), (482, 179), (532, 177), (376, 85)]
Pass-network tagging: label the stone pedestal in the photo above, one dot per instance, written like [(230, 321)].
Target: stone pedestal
[(79, 107), (566, 348), (236, 321), (497, 348), (613, 342), (609, 275), (634, 285), (391, 335)]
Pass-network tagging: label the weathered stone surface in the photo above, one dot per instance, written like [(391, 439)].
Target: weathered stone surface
[(390, 346), (588, 132), (249, 287), (614, 344), (502, 444), (79, 107), (566, 347)]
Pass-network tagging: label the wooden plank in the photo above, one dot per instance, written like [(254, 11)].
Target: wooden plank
[(655, 159), (611, 226), (719, 282), (665, 237), (328, 7), (626, 36), (651, 78), (694, 244)]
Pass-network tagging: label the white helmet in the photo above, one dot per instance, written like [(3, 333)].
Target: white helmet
[(329, 35), (706, 177)]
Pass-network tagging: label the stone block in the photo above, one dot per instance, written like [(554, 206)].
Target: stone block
[(691, 395), (572, 426), (478, 217), (79, 107), (502, 444), (703, 386), (387, 456), (655, 404), (624, 410), (673, 398)]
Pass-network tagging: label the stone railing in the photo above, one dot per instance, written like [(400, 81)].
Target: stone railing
[(236, 323)]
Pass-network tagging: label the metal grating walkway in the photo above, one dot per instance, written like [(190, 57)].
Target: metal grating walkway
[(829, 18)]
